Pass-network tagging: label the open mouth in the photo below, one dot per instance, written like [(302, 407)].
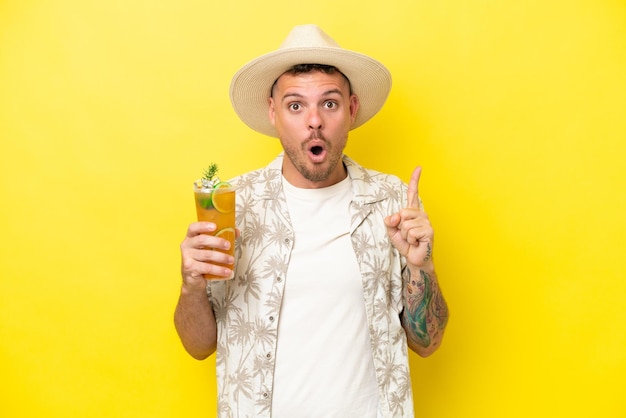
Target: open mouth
[(317, 150)]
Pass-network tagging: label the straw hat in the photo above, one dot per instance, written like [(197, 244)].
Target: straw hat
[(306, 44)]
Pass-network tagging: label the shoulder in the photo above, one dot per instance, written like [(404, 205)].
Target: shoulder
[(358, 172), (259, 179), (373, 183)]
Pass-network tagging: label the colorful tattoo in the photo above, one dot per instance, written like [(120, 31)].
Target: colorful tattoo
[(426, 311)]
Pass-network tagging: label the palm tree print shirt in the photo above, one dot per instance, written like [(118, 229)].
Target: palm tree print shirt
[(247, 308)]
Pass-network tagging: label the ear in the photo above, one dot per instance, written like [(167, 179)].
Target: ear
[(270, 111), (354, 107)]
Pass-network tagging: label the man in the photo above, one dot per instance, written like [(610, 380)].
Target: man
[(333, 273)]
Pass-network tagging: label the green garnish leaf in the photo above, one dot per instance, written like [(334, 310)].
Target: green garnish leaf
[(210, 172), (206, 203)]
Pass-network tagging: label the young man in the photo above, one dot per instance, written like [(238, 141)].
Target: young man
[(333, 273)]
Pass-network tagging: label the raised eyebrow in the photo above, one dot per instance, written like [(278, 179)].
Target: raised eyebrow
[(300, 96), (333, 91), (291, 95)]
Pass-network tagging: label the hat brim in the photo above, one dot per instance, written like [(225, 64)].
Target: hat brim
[(250, 86)]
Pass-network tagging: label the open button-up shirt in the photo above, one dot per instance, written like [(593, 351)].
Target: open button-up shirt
[(247, 308)]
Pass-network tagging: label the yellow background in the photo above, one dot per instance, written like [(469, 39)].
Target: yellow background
[(516, 110)]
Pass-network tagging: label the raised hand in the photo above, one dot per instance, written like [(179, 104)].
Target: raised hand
[(409, 229)]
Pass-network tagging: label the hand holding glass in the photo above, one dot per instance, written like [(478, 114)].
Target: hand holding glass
[(217, 205)]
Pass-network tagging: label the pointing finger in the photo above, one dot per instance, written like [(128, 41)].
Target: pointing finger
[(412, 194)]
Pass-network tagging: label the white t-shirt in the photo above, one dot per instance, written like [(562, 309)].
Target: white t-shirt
[(324, 365)]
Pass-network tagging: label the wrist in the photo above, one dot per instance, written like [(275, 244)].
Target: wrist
[(427, 266), (191, 286)]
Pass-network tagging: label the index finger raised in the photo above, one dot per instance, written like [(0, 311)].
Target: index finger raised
[(412, 193)]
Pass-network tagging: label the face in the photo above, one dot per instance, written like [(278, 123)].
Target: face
[(312, 113)]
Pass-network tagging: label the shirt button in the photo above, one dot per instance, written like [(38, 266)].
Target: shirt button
[(286, 240), (266, 395), (268, 355), (271, 319), (279, 280)]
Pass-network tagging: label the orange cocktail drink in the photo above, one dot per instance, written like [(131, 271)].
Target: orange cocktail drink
[(217, 204)]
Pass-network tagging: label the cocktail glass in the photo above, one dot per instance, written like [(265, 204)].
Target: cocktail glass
[(217, 205)]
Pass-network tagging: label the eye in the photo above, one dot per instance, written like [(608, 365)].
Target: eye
[(294, 106), (330, 104)]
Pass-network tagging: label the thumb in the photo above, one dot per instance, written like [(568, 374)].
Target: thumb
[(392, 221)]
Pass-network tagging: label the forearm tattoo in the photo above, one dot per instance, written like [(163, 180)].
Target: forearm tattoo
[(429, 251), (425, 312)]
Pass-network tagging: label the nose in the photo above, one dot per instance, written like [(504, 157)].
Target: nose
[(314, 119)]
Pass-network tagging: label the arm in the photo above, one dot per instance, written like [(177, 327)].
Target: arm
[(193, 317), (195, 322), (425, 313)]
